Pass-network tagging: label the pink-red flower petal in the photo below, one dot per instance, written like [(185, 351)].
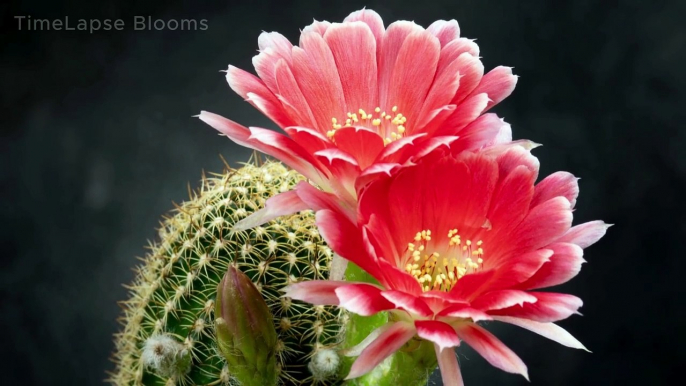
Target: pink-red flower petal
[(373, 172), (465, 113), (289, 94), (362, 143), (394, 278), (319, 27), (498, 84), (442, 90), (310, 139), (321, 292), (362, 299), (544, 224), (563, 265), (268, 142), (450, 369), (356, 350), (483, 131), (373, 21), (386, 344), (437, 332), (471, 71), (451, 51), (492, 349), (547, 330), (277, 43), (315, 70), (354, 50), (245, 83), (412, 78), (586, 234), (276, 206), (496, 300), (472, 285), (445, 31), (557, 184), (464, 311), (514, 269), (393, 40), (344, 238), (410, 303), (548, 307)]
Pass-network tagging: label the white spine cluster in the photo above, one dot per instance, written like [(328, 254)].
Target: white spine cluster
[(166, 356), (324, 364)]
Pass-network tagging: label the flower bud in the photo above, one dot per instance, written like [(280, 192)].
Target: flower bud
[(245, 332)]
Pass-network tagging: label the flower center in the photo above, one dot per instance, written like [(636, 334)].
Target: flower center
[(389, 126), (434, 272)]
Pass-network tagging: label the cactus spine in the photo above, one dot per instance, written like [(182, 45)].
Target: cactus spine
[(168, 323)]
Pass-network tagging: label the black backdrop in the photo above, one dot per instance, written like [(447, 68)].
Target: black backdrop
[(98, 140)]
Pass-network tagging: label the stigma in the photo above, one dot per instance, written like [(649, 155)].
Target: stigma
[(390, 126), (436, 272)]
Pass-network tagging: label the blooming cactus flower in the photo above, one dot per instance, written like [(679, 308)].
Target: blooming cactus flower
[(357, 99), (453, 241)]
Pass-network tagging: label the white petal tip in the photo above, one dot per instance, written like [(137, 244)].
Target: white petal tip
[(238, 227), (348, 353), (249, 222), (352, 376)]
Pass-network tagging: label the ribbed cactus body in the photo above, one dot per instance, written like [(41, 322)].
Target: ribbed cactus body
[(174, 292)]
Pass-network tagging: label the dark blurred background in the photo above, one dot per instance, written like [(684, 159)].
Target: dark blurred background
[(98, 140)]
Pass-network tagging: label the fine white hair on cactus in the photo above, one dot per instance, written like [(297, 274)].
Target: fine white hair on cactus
[(324, 364), (166, 356)]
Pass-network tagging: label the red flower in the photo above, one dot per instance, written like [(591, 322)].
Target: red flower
[(453, 241), (357, 100)]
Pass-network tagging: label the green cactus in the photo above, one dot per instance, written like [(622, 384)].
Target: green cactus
[(168, 335)]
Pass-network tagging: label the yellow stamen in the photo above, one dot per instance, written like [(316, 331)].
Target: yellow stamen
[(442, 275), (390, 127)]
